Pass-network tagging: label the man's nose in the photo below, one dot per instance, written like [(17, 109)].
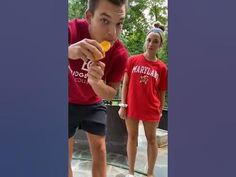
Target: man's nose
[(112, 33)]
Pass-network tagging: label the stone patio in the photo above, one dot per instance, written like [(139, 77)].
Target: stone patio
[(117, 163)]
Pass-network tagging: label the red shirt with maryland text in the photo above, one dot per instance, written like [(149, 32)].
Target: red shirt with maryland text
[(80, 92), (146, 80)]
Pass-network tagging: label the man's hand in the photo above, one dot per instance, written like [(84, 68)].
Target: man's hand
[(95, 72), (86, 49)]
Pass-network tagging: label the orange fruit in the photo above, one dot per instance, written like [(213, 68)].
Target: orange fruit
[(105, 45)]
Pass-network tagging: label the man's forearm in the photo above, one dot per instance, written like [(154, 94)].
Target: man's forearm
[(104, 91)]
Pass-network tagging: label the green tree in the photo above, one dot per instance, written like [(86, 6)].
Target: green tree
[(76, 8), (163, 52), (158, 10), (135, 27), (141, 16)]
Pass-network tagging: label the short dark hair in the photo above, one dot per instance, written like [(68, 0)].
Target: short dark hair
[(92, 4)]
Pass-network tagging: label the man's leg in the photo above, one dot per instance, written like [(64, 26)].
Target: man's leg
[(70, 153), (98, 150), (132, 129), (152, 149), (72, 126)]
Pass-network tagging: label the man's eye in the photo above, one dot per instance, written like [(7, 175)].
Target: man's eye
[(104, 21), (120, 25)]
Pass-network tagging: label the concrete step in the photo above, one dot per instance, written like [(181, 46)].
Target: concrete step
[(162, 137)]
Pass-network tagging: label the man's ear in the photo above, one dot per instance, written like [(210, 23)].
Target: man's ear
[(88, 16)]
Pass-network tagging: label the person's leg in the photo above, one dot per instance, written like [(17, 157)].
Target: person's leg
[(152, 149), (97, 147), (70, 152), (132, 129), (95, 126), (72, 126)]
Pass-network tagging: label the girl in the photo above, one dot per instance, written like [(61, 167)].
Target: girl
[(143, 97)]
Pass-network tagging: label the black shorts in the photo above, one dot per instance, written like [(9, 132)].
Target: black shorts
[(90, 118)]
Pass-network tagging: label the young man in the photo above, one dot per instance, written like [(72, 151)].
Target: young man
[(90, 81)]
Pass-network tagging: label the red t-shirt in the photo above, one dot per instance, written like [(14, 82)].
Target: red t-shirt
[(146, 80), (80, 92)]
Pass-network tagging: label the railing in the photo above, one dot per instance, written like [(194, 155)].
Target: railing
[(164, 120)]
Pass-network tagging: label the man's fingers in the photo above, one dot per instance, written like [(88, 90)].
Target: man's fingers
[(88, 47), (94, 48), (96, 71), (87, 53), (94, 43), (101, 64)]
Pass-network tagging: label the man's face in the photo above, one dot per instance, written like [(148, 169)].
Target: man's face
[(106, 22)]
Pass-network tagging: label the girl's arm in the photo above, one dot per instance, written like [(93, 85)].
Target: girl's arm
[(124, 88), (162, 96), (123, 105)]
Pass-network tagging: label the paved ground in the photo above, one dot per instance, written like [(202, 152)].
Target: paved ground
[(117, 164)]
